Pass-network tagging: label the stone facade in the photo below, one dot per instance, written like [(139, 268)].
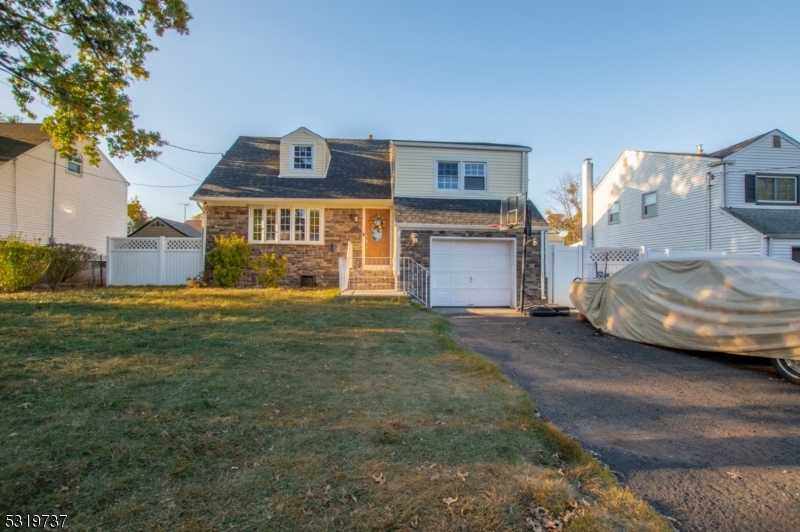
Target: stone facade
[(421, 252), (321, 261)]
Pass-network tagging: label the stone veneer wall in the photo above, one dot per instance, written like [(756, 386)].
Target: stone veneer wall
[(321, 260), (421, 252)]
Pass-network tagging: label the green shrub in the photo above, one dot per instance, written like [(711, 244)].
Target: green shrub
[(229, 258), (66, 261), (269, 269), (22, 263)]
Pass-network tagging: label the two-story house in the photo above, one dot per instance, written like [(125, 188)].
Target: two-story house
[(52, 199), (382, 204), (741, 199)]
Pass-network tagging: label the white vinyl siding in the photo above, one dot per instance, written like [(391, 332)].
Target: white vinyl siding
[(285, 225), (88, 207), (321, 154), (782, 249), (683, 206), (416, 172), (760, 158)]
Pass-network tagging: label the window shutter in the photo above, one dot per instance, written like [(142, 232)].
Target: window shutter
[(749, 188)]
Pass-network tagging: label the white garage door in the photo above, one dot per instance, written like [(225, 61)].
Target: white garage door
[(470, 271)]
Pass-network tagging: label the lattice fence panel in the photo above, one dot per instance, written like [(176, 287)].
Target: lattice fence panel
[(614, 255), (184, 245), (135, 244)]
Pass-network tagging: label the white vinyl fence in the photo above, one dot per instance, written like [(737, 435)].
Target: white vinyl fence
[(565, 264), (159, 261)]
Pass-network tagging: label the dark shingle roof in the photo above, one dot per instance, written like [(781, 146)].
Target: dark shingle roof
[(454, 211), (16, 139), (770, 221), (730, 150), (185, 229), (359, 169)]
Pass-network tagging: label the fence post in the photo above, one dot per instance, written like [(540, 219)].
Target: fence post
[(108, 264), (162, 260)]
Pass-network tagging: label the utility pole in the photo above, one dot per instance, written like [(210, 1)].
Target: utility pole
[(184, 209)]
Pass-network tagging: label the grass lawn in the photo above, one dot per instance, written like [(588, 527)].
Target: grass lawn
[(177, 409)]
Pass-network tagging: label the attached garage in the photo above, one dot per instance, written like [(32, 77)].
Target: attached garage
[(478, 272)]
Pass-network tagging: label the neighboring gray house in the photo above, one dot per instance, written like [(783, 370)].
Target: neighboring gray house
[(741, 199), (378, 202)]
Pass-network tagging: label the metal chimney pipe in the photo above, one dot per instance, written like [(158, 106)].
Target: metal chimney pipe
[(587, 204)]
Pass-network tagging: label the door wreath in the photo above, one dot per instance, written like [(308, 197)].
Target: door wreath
[(377, 226)]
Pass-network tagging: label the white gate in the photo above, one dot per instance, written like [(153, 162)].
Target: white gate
[(159, 261), (566, 266)]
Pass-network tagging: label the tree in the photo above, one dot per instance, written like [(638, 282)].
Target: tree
[(10, 119), (87, 93), (137, 213), (198, 216), (568, 217)]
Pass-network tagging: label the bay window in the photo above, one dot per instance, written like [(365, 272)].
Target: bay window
[(285, 225)]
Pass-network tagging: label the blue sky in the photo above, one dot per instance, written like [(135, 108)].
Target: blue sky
[(569, 79)]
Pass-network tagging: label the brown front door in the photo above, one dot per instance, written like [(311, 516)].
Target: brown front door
[(377, 232)]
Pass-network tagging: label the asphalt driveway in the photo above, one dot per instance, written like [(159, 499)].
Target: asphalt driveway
[(712, 441)]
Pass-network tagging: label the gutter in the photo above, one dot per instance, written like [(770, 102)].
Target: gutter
[(465, 146)]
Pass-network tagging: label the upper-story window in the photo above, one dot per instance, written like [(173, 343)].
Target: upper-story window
[(467, 176), (613, 213), (304, 157), (649, 205), (74, 165), (776, 141), (776, 189)]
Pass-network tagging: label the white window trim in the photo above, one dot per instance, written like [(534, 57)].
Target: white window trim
[(656, 204), (313, 168), (292, 241), (460, 189), (77, 159), (774, 201), (619, 213)]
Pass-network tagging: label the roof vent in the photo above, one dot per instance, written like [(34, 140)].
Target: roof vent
[(369, 137), (700, 149)]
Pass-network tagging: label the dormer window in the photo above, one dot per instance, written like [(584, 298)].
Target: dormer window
[(304, 157), (461, 176)]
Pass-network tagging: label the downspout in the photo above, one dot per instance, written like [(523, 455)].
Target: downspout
[(53, 203), (14, 227), (588, 204), (542, 256)]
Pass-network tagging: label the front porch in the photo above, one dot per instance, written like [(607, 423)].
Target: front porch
[(383, 277)]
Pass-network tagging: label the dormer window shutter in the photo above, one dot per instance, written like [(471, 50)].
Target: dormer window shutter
[(750, 188)]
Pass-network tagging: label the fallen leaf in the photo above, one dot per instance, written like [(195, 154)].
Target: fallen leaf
[(234, 468), (306, 512), (164, 434), (414, 521), (435, 477), (380, 479), (26, 405), (14, 434), (462, 476), (449, 500), (279, 507), (735, 476)]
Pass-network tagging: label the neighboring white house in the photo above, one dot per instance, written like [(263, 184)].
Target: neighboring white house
[(46, 197), (742, 199)]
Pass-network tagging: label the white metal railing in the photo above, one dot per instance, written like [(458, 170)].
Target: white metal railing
[(345, 264), (414, 279)]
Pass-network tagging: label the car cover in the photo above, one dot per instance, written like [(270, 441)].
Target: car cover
[(741, 305)]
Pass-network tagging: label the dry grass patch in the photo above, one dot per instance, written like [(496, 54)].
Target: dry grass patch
[(137, 409)]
